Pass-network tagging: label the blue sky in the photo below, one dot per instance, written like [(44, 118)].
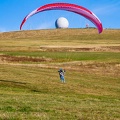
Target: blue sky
[(12, 13)]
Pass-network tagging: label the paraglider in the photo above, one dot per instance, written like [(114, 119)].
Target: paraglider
[(61, 74), (68, 7)]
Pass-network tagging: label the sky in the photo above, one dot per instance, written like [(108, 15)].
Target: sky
[(12, 12)]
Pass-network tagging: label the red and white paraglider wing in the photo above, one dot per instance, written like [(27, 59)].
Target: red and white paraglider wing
[(68, 7)]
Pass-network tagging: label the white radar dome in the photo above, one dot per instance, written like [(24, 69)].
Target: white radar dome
[(62, 23)]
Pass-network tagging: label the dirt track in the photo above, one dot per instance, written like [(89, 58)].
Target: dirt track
[(115, 48)]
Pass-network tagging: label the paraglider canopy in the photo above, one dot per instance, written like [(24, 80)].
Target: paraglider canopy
[(68, 7)]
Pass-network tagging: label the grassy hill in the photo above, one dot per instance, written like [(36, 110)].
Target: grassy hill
[(29, 83)]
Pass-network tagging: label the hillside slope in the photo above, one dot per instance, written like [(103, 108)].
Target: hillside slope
[(30, 88)]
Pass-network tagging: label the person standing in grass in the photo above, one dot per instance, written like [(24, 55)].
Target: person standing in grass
[(61, 74)]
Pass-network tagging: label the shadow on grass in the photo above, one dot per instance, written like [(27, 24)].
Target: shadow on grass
[(20, 85), (14, 82)]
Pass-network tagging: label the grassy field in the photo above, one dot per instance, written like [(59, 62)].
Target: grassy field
[(30, 88)]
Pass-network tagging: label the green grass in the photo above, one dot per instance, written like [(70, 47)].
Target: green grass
[(35, 93), (32, 90), (70, 56)]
